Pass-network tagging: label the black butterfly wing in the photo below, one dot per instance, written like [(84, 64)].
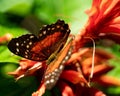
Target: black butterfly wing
[(22, 46), (51, 38)]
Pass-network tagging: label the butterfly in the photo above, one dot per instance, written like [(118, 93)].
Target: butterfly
[(51, 38), (48, 45), (56, 67)]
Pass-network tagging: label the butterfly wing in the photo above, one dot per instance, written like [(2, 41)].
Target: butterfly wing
[(51, 38), (55, 68), (22, 46)]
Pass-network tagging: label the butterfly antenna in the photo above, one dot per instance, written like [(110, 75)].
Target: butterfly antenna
[(93, 58)]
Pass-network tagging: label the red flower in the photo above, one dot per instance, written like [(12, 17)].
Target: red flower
[(103, 22), (73, 78), (28, 68)]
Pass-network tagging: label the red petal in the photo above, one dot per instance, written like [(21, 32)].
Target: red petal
[(95, 92), (28, 68), (77, 56), (102, 19), (65, 89), (108, 80), (98, 70), (87, 91), (25, 63), (73, 77)]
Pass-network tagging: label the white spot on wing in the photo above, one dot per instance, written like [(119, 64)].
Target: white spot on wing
[(27, 46), (61, 67), (31, 37), (44, 32), (46, 77), (63, 61), (25, 52), (30, 43), (26, 56), (67, 57), (44, 25), (56, 70), (69, 53), (52, 80), (17, 49), (53, 73), (68, 30), (47, 82), (48, 28), (17, 44)]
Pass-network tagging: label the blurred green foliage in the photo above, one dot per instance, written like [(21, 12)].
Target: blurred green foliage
[(16, 14)]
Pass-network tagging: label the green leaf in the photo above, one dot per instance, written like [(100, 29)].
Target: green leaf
[(19, 7), (15, 31), (7, 56)]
